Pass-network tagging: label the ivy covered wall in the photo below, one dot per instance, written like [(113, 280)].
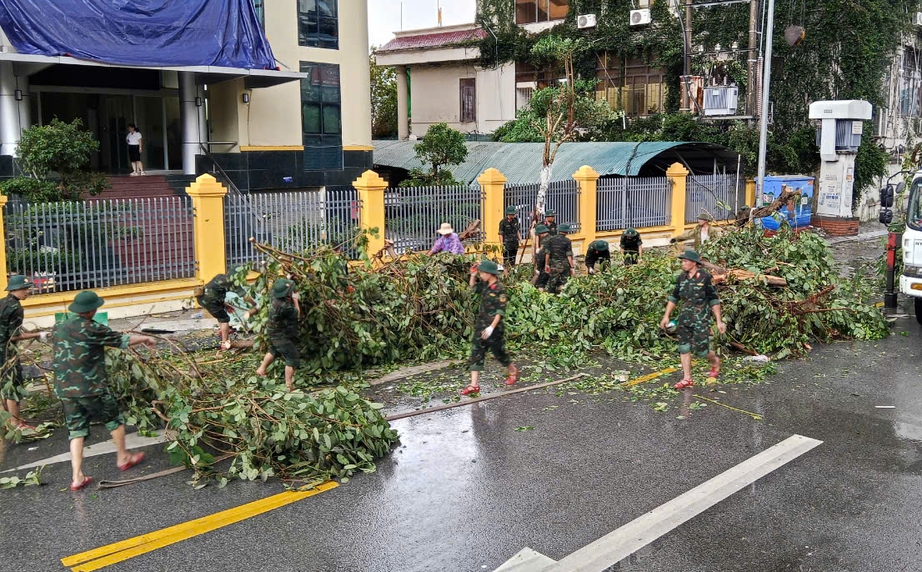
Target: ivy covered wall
[(845, 55)]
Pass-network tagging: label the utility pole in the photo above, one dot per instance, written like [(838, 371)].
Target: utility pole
[(688, 36), (766, 84), (752, 89)]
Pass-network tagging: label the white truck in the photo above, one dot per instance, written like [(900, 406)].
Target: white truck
[(911, 277)]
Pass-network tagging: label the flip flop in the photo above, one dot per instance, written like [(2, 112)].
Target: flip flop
[(86, 481), (470, 389), (135, 459)]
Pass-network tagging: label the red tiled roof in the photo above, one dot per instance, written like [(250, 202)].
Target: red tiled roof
[(437, 40)]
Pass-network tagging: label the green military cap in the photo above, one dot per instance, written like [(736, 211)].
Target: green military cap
[(510, 210), (691, 255), (630, 231), (86, 301), (549, 212), (599, 245), (564, 228), (489, 267), (282, 288), (706, 216), (18, 282), (542, 229)]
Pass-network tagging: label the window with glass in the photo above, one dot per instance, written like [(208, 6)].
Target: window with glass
[(260, 6), (321, 117), (630, 85), (534, 11), (318, 23)]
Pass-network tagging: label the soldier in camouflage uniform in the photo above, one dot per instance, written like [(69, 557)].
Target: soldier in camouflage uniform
[(698, 296), (540, 277), (11, 381), (559, 252), (212, 299), (631, 246), (597, 253), (509, 236), (283, 330), (549, 222), (80, 381), (489, 325)]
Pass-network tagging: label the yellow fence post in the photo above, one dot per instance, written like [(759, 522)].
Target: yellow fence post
[(678, 176), (3, 282), (751, 193), (370, 187), (588, 181), (210, 248), (493, 184)]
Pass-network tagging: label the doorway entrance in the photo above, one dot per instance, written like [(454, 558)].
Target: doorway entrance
[(107, 116)]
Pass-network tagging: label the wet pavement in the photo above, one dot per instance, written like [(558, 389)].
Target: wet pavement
[(468, 488)]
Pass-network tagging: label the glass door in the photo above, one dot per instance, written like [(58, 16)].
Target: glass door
[(119, 113)]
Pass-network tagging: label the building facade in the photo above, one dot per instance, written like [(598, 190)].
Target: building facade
[(272, 128), (438, 79)]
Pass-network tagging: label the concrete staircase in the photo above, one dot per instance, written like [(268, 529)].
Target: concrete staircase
[(147, 186)]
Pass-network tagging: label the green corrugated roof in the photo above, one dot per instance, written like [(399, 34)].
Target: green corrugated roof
[(521, 162)]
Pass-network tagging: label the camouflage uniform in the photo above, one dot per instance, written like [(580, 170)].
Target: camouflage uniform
[(492, 303), (698, 296), (557, 249), (540, 265), (630, 246), (283, 331), (213, 298), (509, 229), (598, 254), (551, 228), (11, 381), (80, 379)]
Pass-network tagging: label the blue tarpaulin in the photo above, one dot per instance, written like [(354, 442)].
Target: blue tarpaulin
[(140, 32)]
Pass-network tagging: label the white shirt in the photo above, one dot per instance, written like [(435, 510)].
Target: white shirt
[(134, 138)]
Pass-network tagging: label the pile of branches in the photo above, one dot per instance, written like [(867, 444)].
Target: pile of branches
[(779, 294), (218, 412)]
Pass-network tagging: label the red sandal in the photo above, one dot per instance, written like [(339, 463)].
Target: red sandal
[(133, 460), (513, 375), (470, 389), (684, 383), (714, 373), (86, 481)]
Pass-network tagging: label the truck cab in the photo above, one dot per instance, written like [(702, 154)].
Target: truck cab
[(911, 278)]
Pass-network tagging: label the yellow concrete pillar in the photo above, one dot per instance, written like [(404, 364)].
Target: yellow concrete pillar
[(3, 281), (751, 193), (370, 187), (678, 176), (493, 184), (588, 181), (210, 249)]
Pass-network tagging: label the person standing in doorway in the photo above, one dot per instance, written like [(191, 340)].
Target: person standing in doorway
[(135, 146)]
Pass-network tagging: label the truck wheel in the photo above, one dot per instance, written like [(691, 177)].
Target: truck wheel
[(918, 304)]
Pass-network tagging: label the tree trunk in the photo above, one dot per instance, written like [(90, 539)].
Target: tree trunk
[(720, 274)]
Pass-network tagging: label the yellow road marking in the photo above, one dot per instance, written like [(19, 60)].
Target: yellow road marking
[(648, 377), (120, 551), (755, 416)]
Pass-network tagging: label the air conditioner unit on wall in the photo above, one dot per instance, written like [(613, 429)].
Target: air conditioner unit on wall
[(918, 19), (640, 17), (721, 100), (585, 21)]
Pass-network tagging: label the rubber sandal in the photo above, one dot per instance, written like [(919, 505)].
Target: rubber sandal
[(684, 383), (86, 481), (513, 377), (470, 389), (135, 459), (714, 373)]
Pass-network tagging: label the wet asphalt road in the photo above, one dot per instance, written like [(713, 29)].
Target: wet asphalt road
[(465, 490)]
